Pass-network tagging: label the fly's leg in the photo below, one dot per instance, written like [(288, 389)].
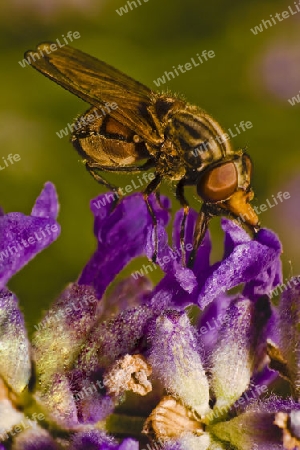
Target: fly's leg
[(182, 200), (116, 190), (93, 169), (203, 219), (158, 199), (152, 188)]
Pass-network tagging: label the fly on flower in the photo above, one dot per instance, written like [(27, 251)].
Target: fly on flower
[(151, 130)]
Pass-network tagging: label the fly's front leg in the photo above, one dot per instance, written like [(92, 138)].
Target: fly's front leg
[(151, 188), (203, 219), (158, 199), (182, 200)]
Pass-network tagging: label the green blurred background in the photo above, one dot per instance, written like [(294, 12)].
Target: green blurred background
[(251, 78)]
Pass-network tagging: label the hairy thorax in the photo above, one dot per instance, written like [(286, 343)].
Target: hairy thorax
[(170, 163)]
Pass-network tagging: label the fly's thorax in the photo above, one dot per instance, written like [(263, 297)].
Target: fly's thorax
[(163, 108), (198, 137), (102, 140), (170, 164)]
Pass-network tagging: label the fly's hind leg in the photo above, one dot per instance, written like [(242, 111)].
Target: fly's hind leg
[(182, 200), (152, 188), (93, 169), (116, 190)]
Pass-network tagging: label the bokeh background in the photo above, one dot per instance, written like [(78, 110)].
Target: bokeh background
[(251, 78)]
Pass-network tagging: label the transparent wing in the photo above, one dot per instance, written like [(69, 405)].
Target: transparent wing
[(97, 83)]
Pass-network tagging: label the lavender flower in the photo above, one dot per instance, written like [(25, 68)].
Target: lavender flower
[(109, 370), (22, 237)]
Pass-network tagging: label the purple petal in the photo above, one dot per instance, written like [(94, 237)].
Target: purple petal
[(267, 280), (122, 235), (270, 239), (265, 377), (22, 237), (46, 205), (169, 294), (180, 291), (214, 315), (234, 235), (246, 262), (14, 346)]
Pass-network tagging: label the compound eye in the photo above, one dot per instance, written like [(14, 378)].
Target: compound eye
[(218, 183)]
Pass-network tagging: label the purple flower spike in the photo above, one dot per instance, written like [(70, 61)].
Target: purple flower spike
[(22, 237), (110, 374)]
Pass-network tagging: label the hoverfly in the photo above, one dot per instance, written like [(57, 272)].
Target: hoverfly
[(152, 130)]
